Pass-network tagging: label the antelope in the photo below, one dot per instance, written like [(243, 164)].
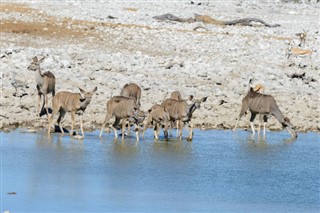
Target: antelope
[(297, 52), (176, 95), (122, 108), (159, 117), (132, 90), (266, 106), (65, 101), (45, 83), (182, 111), (302, 38)]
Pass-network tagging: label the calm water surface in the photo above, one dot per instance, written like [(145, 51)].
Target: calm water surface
[(219, 171)]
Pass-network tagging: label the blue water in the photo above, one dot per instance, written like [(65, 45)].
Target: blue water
[(220, 171)]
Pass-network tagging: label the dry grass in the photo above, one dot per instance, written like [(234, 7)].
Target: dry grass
[(66, 29)]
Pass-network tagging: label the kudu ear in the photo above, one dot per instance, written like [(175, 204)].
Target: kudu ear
[(203, 99), (95, 89), (251, 84), (35, 59), (41, 60), (190, 97), (286, 119), (81, 90)]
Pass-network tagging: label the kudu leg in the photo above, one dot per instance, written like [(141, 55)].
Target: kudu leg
[(123, 128), (180, 130), (46, 100), (39, 100), (106, 120), (253, 116), (146, 124), (81, 126), (50, 119), (156, 131), (73, 114), (177, 132), (136, 129), (191, 131), (114, 127), (61, 116), (265, 119)]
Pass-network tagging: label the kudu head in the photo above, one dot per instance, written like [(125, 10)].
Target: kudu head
[(86, 96), (289, 126), (197, 102), (35, 64)]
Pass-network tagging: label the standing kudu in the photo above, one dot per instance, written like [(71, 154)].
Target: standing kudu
[(182, 112), (45, 83), (125, 109), (264, 105), (65, 101), (158, 117), (131, 90)]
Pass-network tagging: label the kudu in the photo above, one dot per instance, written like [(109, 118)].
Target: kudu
[(265, 105), (182, 111), (125, 109), (176, 95), (65, 101), (45, 83), (132, 90), (158, 117)]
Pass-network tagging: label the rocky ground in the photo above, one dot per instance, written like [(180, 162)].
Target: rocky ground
[(108, 44)]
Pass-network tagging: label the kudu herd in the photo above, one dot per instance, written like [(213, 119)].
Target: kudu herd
[(125, 108)]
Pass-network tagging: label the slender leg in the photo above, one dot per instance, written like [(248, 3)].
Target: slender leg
[(73, 113), (61, 116), (146, 124), (136, 129), (81, 126), (260, 122), (253, 116), (104, 124), (46, 100), (191, 131), (114, 127), (39, 100), (265, 119), (54, 111), (128, 127), (123, 128), (156, 130), (180, 129), (177, 132)]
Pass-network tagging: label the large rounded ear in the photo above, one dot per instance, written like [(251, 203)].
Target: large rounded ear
[(35, 59), (95, 89), (81, 90), (203, 99), (42, 59), (251, 84)]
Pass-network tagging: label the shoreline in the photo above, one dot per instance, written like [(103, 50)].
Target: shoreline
[(85, 48)]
